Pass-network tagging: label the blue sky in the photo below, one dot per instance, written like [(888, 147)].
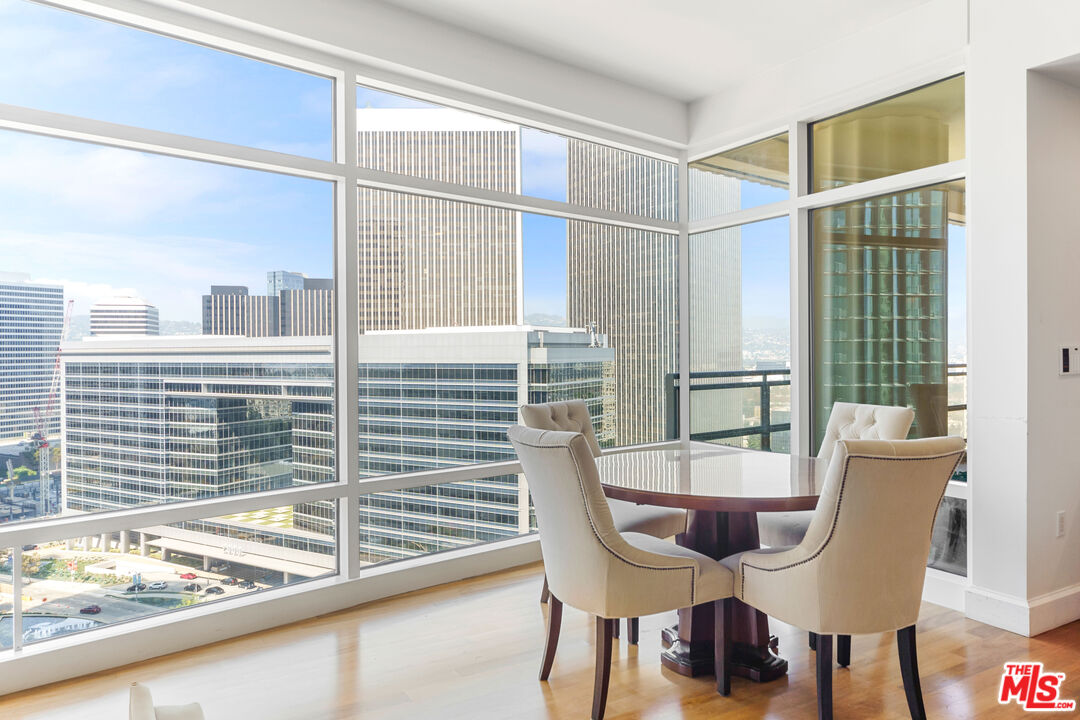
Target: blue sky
[(104, 221)]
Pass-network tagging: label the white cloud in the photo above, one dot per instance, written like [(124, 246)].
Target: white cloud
[(100, 182), (170, 272)]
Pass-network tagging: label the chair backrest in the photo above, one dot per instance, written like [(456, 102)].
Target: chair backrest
[(855, 421), (571, 415), (869, 538), (588, 563)]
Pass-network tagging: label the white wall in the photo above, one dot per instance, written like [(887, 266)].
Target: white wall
[(400, 41), (1022, 416), (907, 49)]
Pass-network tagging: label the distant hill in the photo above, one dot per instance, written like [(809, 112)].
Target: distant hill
[(80, 327), (544, 319)]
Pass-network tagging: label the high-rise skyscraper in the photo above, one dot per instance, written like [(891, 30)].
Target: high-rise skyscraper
[(123, 315), (624, 281), (426, 262), (31, 322), (295, 305)]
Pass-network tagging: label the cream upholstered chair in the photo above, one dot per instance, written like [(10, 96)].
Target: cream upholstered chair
[(860, 568), (659, 522), (593, 567), (847, 421), (141, 707)]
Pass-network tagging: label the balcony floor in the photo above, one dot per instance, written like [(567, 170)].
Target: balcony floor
[(472, 650)]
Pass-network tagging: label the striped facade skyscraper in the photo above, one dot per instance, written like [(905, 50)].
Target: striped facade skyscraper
[(294, 306), (426, 262), (123, 315), (31, 321)]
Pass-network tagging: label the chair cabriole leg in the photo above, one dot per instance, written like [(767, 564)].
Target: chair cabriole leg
[(544, 592), (604, 630), (824, 676), (632, 630), (724, 617), (843, 650), (554, 623), (909, 668)]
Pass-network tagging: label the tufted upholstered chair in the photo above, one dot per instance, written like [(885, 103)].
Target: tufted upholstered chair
[(861, 566), (141, 707), (593, 567), (659, 522), (847, 421)]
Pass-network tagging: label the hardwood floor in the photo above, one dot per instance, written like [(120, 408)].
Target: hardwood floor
[(473, 649)]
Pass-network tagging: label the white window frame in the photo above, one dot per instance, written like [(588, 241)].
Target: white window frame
[(82, 652)]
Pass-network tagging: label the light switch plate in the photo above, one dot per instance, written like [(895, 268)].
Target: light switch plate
[(1069, 360)]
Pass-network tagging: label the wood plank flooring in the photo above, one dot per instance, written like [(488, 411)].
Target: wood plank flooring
[(472, 650)]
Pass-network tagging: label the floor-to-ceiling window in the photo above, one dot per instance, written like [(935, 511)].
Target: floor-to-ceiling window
[(876, 224), (265, 321)]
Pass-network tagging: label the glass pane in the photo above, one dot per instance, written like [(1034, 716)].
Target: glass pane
[(885, 302), (73, 585), (918, 129), (110, 72), (152, 253), (740, 338), (748, 176), (402, 135), (598, 303), (406, 523)]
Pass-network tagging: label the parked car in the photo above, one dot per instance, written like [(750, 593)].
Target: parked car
[(230, 581), (188, 576), (159, 585), (193, 587), (137, 588), (91, 610), (215, 590), (246, 584), (220, 568)]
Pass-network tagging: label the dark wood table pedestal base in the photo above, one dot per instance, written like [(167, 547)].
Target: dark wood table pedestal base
[(690, 644), (748, 661)]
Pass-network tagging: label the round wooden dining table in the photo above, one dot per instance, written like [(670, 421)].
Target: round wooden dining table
[(723, 489)]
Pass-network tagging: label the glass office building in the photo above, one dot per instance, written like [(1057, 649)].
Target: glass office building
[(164, 419)]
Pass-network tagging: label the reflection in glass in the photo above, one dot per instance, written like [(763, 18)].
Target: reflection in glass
[(918, 129), (740, 339), (401, 135), (884, 303), (745, 177)]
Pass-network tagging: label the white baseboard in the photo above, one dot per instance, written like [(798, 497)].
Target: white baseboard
[(1054, 609), (138, 640), (945, 589), (1024, 617), (1007, 612)]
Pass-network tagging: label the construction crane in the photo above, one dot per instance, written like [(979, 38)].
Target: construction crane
[(41, 420)]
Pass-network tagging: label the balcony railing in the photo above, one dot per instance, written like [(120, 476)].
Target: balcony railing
[(762, 380)]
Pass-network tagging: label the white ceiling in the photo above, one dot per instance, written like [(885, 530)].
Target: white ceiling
[(685, 49)]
